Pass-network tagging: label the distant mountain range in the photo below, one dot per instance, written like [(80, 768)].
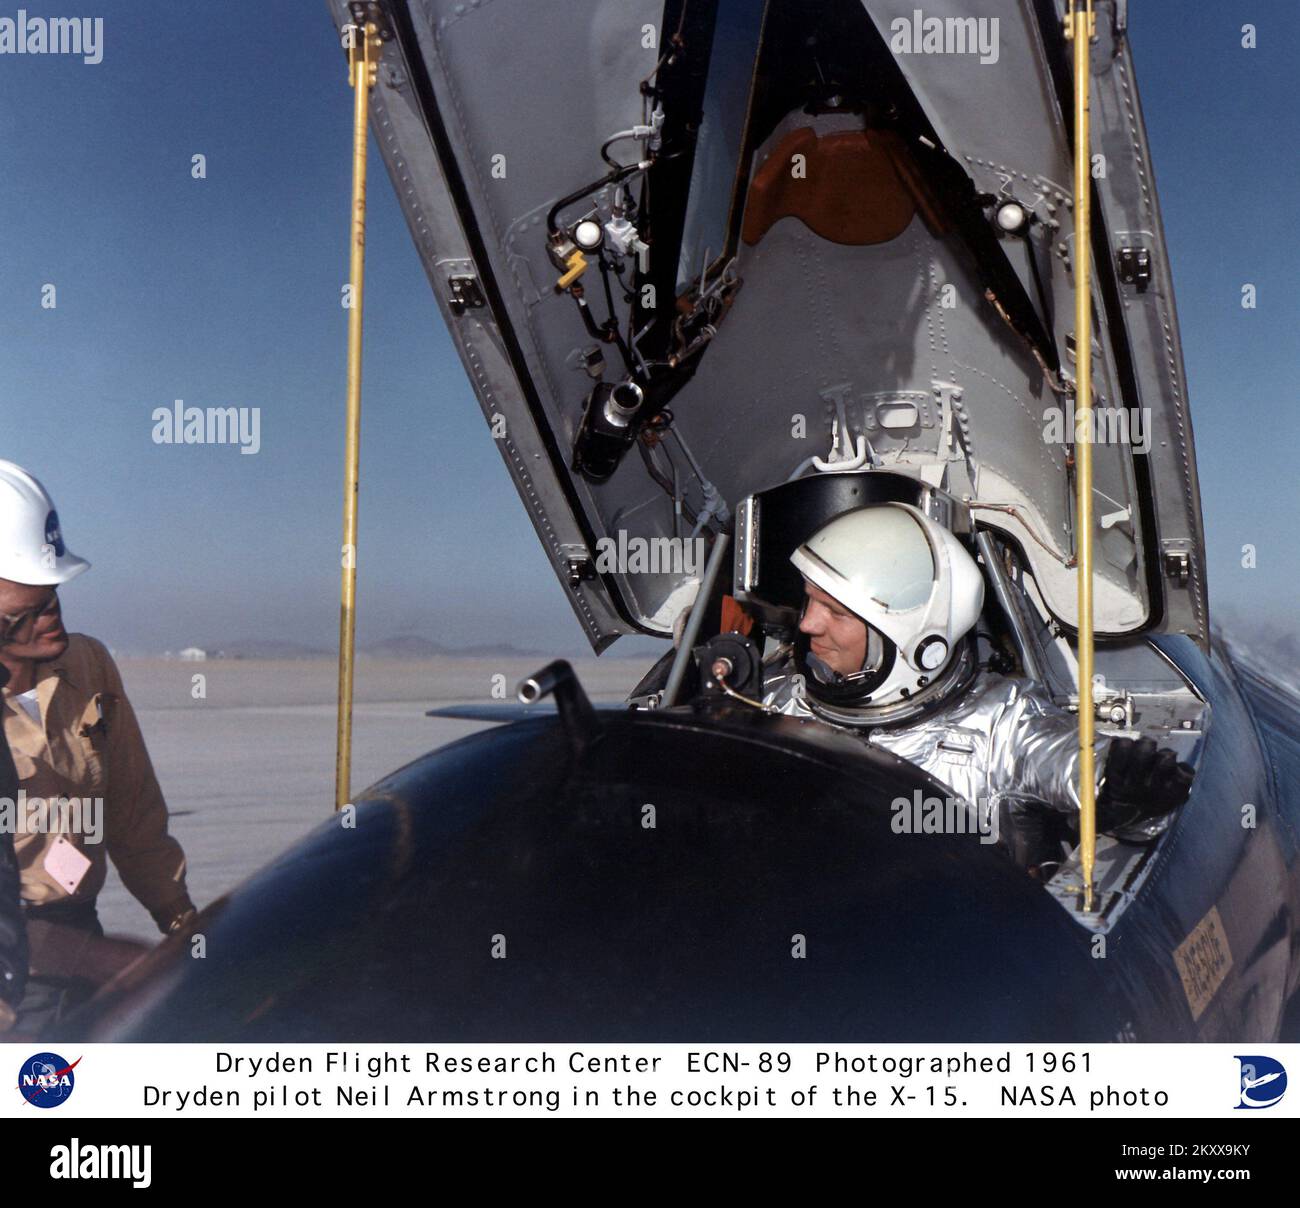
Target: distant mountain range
[(412, 646), (402, 646)]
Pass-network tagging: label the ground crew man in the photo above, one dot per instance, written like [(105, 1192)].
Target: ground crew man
[(13, 935), (89, 787)]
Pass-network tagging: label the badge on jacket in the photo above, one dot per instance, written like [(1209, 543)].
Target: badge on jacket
[(66, 864)]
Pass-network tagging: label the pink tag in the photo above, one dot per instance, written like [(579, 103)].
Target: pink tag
[(66, 864)]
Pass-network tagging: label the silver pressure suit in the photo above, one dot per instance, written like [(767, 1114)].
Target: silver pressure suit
[(1003, 740)]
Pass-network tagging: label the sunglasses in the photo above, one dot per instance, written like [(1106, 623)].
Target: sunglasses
[(11, 624)]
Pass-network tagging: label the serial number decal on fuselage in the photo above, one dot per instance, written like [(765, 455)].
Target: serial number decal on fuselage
[(1203, 961)]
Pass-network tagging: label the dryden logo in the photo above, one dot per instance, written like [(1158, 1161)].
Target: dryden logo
[(1263, 1081), (46, 1080), (77, 1161)]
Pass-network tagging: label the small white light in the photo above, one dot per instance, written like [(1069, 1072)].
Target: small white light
[(933, 653), (1012, 217), (588, 235)]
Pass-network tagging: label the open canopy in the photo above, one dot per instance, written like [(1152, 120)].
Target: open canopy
[(803, 229)]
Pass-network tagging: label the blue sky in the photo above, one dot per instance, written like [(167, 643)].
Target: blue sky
[(225, 292)]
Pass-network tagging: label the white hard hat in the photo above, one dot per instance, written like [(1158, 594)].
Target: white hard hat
[(31, 545), (909, 579)]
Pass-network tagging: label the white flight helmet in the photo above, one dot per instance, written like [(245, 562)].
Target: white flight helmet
[(31, 545), (919, 592)]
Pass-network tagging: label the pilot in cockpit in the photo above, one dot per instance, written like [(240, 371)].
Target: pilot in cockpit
[(885, 647)]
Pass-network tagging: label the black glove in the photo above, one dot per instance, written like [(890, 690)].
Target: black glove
[(1141, 782)]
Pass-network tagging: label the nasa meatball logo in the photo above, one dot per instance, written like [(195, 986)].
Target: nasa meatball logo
[(1263, 1082), (53, 536), (46, 1079)]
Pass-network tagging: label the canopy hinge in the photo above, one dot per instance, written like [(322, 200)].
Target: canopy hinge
[(1178, 566), (1134, 266), (466, 293)]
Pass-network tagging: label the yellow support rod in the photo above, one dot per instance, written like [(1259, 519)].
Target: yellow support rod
[(1080, 26), (363, 57)]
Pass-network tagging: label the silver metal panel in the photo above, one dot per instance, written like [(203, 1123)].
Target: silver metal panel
[(860, 341), (486, 43), (1128, 196), (1004, 122)]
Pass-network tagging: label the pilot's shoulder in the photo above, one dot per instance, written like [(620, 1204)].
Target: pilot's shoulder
[(89, 662), (993, 691), (990, 685), (1016, 695)]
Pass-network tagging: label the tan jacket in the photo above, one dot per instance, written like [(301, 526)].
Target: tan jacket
[(90, 746)]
